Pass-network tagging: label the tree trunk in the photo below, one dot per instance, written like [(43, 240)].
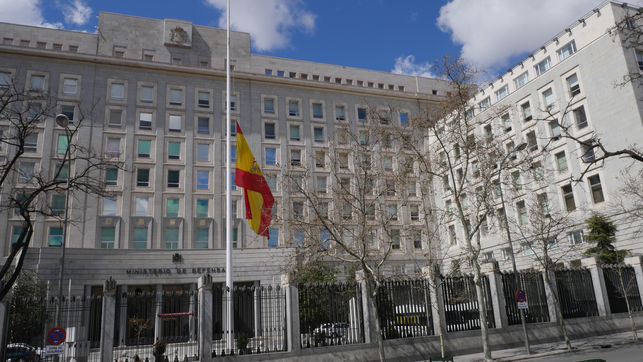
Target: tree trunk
[(482, 311), (559, 313), (436, 305), (373, 292), (627, 303)]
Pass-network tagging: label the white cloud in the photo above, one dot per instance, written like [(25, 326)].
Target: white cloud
[(491, 31), (77, 12), (27, 12), (406, 65), (269, 22)]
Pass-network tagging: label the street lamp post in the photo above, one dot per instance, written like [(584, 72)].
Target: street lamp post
[(63, 121), (517, 280)]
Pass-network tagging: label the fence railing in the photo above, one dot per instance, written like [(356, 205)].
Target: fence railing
[(404, 309), (612, 275), (576, 293), (330, 314), (534, 287), (461, 308)]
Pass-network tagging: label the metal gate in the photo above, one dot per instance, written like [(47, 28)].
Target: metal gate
[(533, 285), (576, 293), (461, 304), (615, 294), (404, 309)]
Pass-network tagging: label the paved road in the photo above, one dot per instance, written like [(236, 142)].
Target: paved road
[(623, 353)]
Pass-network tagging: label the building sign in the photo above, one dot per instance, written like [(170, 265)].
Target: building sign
[(175, 271)]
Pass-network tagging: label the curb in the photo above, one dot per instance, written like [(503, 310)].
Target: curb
[(574, 350)]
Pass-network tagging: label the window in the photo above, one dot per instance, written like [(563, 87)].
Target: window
[(34, 111), (140, 238), (318, 110), (202, 207), (532, 142), (268, 72), (37, 83), (55, 236), (452, 236), (567, 50), (273, 238), (511, 150), (322, 184), (361, 114), (561, 161), (522, 213), (588, 152), (202, 180), (395, 239), (111, 176), (115, 116), (574, 87), (548, 98), (484, 104), (70, 86), (555, 129), (502, 92), (68, 111), (202, 238), (174, 150), (233, 102), (146, 94), (141, 206), (527, 249), (107, 237), (269, 105), (176, 96), (596, 189), (506, 122), (411, 189), (295, 157), (521, 80), (392, 212), (171, 238), (280, 73), (318, 133), (575, 237), (271, 156), (5, 80), (298, 237), (109, 206), (269, 130), (568, 197), (26, 172), (543, 203), (61, 145), (414, 210), (543, 66), (271, 180), (294, 133), (145, 120), (117, 91), (539, 171), (203, 99), (144, 147), (343, 160), (172, 207), (387, 163), (61, 172), (639, 58), (340, 113), (320, 159), (143, 177), (203, 125), (173, 178), (175, 123), (526, 111), (298, 210), (324, 239), (233, 153), (363, 137), (404, 119), (58, 204), (516, 181), (293, 108), (580, 117)]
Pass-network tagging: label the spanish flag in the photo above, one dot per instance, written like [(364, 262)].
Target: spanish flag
[(256, 191)]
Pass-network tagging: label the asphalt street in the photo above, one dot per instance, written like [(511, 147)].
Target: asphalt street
[(620, 353)]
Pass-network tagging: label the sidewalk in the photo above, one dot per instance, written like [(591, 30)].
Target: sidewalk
[(554, 348)]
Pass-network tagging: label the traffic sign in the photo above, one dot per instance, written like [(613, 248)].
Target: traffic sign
[(521, 296), (56, 336), (52, 350)]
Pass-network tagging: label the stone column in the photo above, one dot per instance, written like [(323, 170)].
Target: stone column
[(191, 324), (549, 294), (436, 303), (292, 313), (257, 308), (598, 280), (122, 318), (158, 322), (636, 262), (107, 320), (370, 332), (204, 287), (492, 272)]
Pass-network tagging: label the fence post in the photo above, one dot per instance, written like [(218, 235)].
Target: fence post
[(636, 263), (158, 322), (192, 309), (598, 281), (492, 271), (122, 323), (436, 314), (4, 322), (292, 313), (369, 316), (204, 286), (107, 320), (549, 294)]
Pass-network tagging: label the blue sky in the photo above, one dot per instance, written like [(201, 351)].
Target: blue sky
[(403, 36)]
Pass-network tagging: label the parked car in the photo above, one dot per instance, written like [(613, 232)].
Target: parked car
[(332, 329), (21, 352)]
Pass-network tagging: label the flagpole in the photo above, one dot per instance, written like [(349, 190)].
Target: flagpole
[(228, 203)]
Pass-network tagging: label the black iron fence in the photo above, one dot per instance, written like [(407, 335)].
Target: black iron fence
[(576, 293), (461, 308), (330, 314), (404, 309), (534, 287), (617, 291)]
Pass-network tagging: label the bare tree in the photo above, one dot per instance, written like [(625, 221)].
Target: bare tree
[(26, 190)]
